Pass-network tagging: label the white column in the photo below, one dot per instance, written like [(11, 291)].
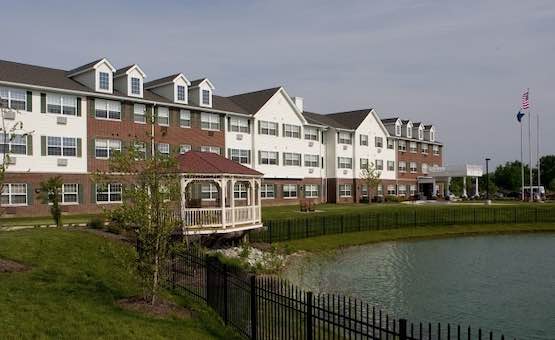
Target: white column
[(232, 203), (446, 189), (183, 202), (223, 186), (253, 200), (476, 192), (259, 201), (464, 194)]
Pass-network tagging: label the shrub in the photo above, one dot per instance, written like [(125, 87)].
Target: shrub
[(97, 222), (114, 228)]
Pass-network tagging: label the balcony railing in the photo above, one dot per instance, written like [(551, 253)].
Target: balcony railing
[(212, 217)]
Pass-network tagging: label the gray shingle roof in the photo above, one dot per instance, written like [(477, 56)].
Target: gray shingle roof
[(387, 121), (84, 67), (123, 70), (197, 81), (253, 101), (350, 119), (159, 81)]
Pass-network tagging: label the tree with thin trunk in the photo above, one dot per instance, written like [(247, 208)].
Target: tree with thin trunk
[(51, 193), (150, 207), (371, 177)]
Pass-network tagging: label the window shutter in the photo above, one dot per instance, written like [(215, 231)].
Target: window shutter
[(259, 157), (337, 136), (123, 107), (43, 103), (90, 106), (80, 193), (43, 145), (93, 192), (30, 194), (249, 126), (222, 123), (277, 158), (79, 147), (176, 116), (78, 106), (249, 157), (259, 128), (322, 165), (228, 123), (29, 145), (229, 153), (29, 101)]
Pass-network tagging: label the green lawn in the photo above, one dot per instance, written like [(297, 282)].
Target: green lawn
[(71, 289), (337, 241)]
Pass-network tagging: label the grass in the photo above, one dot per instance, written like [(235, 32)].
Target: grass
[(71, 289), (337, 241), (41, 220)]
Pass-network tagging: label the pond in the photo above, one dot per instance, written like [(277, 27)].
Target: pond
[(504, 283)]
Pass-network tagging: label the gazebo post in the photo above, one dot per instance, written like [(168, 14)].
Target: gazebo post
[(232, 202), (223, 188), (253, 200)]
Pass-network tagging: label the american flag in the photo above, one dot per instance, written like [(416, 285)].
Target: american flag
[(525, 101)]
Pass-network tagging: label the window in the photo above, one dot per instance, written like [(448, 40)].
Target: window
[(206, 97), (379, 164), (409, 130), (412, 147), (390, 144), (213, 149), (413, 189), (238, 124), (378, 142), (163, 149), (267, 191), (420, 134), (435, 149), (107, 109), (424, 148), (402, 190), (181, 96), (208, 192), (70, 193), (380, 189), (432, 135), (391, 189), (310, 133), (14, 144), (58, 104), (104, 81), (240, 191), (391, 165), (139, 113), (105, 148), (293, 131), (397, 130), (424, 168), (364, 163), (13, 99), (136, 86), (364, 191), (267, 128), (413, 167), (209, 121), (14, 194), (402, 146), (289, 191), (109, 193), (344, 163), (345, 190), (140, 149), (311, 191), (344, 138), (268, 157), (240, 155), (163, 116), (363, 139), (185, 118), (61, 146), (184, 148), (312, 161), (293, 159), (402, 166)]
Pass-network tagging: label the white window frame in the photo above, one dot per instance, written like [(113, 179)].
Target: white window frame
[(398, 130), (64, 192), (391, 190), (420, 134), (266, 159), (164, 149), (435, 149), (110, 106), (209, 97), (344, 137), (412, 189), (163, 116), (291, 131), (402, 190), (63, 101), (240, 155), (363, 140), (8, 191), (177, 90), (390, 144), (344, 163), (390, 165), (291, 159), (288, 190), (402, 166), (65, 144), (378, 141), (379, 164), (264, 191), (210, 148), (345, 190), (183, 148), (15, 95), (210, 121), (424, 148), (363, 163), (413, 167), (424, 167), (310, 133), (210, 190), (311, 161), (140, 148), (100, 81), (13, 143), (413, 147), (139, 113), (272, 128), (409, 130), (402, 146), (110, 146), (240, 192), (239, 124), (111, 189), (138, 93), (311, 191)]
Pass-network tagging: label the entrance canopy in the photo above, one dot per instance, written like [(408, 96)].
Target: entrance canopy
[(218, 195), (444, 175)]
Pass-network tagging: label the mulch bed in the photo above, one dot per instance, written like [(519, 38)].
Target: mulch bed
[(161, 309), (9, 266)]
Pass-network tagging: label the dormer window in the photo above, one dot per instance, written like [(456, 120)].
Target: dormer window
[(420, 134), (397, 130), (432, 135), (205, 97), (104, 81), (181, 93), (136, 86), (409, 131)]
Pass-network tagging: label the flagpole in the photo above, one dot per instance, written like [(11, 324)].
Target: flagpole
[(521, 164), (530, 149), (538, 152)]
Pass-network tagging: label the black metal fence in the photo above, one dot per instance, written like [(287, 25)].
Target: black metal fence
[(271, 308), (314, 225)]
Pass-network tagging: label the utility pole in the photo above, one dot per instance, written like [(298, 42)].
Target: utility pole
[(487, 178)]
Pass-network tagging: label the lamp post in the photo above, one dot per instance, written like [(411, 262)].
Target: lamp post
[(487, 178)]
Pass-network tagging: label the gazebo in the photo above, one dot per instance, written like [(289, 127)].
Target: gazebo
[(218, 195)]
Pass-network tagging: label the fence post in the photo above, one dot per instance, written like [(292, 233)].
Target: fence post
[(402, 329), (309, 315), (270, 230), (172, 268), (225, 294), (254, 319)]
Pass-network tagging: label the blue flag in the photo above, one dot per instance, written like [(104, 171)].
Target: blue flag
[(519, 116)]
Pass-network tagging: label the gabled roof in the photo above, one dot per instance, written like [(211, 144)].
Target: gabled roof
[(198, 82), (127, 69), (226, 104), (195, 162), (406, 121), (428, 127), (320, 119), (165, 80), (350, 119), (89, 66), (252, 102), (387, 121)]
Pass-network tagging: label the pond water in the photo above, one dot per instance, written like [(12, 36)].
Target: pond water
[(504, 283)]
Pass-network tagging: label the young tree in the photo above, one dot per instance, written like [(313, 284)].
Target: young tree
[(50, 193), (371, 177), (151, 202)]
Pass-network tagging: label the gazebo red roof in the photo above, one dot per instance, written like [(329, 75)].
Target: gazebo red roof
[(195, 162)]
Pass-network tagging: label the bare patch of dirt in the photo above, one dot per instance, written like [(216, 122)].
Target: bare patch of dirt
[(161, 309), (9, 266)]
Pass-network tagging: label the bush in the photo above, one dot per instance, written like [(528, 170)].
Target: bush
[(97, 222), (395, 199), (114, 228)]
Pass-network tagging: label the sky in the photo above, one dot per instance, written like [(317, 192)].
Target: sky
[(460, 65)]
